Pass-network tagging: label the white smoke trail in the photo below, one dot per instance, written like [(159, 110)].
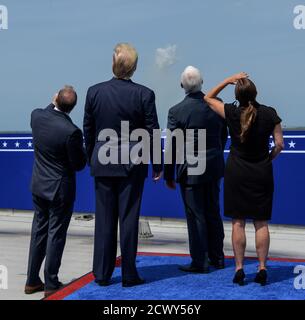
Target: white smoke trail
[(166, 57)]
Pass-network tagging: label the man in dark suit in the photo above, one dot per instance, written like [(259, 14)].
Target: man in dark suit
[(200, 192), (119, 186), (59, 153)]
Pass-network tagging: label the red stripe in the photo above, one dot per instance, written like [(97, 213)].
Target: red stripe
[(86, 279), (287, 259), (118, 262), (77, 284), (161, 254), (72, 287)]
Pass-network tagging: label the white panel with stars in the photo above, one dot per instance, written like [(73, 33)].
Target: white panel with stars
[(293, 144)]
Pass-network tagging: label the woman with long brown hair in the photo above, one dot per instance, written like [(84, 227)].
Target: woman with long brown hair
[(248, 182)]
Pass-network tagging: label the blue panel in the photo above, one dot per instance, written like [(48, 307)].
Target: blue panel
[(84, 192), (16, 160)]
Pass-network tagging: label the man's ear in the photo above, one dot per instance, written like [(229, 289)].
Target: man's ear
[(54, 100), (134, 69), (113, 62), (181, 85)]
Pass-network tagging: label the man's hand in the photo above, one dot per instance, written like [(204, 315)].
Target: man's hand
[(171, 184), (157, 176), (233, 79)]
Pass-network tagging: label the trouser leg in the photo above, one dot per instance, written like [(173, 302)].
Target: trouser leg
[(60, 216), (130, 196), (106, 224), (215, 230), (192, 196), (39, 237)]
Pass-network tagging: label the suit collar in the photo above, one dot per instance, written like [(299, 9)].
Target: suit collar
[(121, 80), (197, 95), (51, 109)]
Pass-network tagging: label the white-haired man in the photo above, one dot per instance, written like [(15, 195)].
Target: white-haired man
[(118, 187), (200, 193)]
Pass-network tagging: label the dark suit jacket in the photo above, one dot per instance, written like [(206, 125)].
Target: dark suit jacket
[(194, 113), (59, 152), (107, 104)]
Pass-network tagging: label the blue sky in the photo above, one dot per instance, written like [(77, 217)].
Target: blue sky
[(55, 42)]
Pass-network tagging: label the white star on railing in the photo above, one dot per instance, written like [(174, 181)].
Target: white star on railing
[(30, 144), (17, 144), (292, 144), (4, 144)]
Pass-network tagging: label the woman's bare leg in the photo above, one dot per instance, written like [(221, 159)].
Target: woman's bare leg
[(239, 242), (262, 241)]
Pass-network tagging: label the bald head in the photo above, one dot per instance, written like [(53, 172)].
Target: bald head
[(66, 99)]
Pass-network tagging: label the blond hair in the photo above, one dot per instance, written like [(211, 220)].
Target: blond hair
[(245, 93), (247, 118), (125, 59)]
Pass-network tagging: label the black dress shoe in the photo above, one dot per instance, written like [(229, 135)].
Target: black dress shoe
[(103, 283), (34, 289), (261, 277), (132, 283), (219, 264), (239, 277), (190, 268)]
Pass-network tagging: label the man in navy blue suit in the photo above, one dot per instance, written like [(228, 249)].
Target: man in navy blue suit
[(59, 153), (119, 186), (200, 192)]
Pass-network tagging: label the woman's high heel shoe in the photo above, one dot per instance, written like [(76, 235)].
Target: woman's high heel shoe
[(261, 277), (239, 277)]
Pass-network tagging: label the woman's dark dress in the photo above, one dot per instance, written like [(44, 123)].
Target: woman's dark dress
[(248, 181)]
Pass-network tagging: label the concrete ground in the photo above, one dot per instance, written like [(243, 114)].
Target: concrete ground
[(170, 236)]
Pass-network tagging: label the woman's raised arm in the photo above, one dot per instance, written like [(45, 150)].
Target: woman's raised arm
[(211, 97)]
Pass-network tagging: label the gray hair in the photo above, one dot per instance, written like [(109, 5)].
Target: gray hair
[(191, 80)]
